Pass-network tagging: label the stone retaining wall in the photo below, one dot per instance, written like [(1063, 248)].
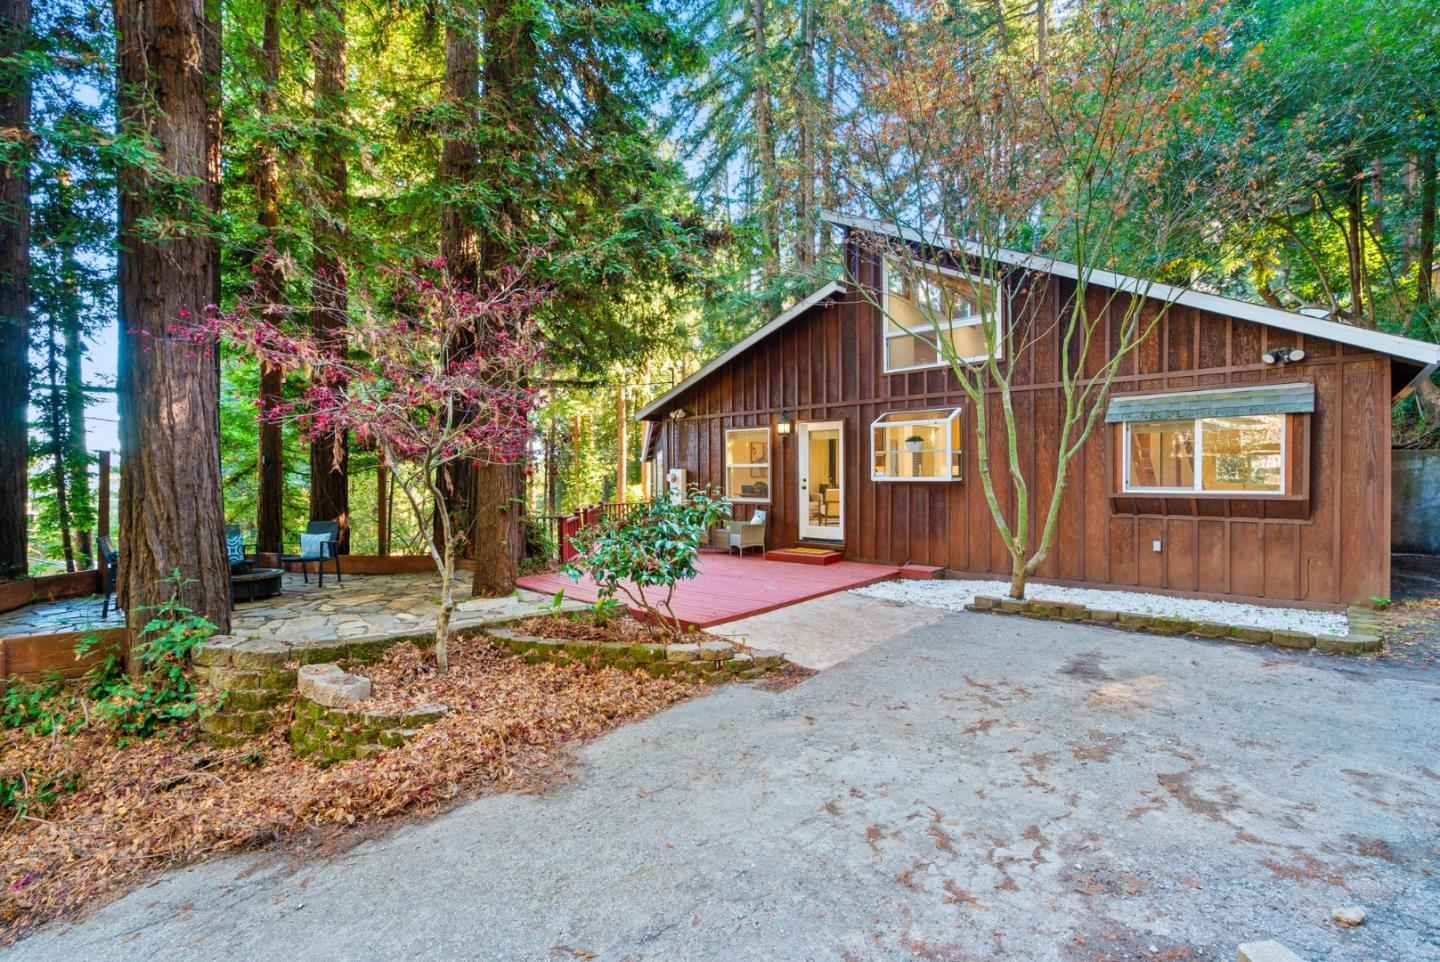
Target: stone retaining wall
[(1364, 633), (709, 662), (339, 734), (258, 677)]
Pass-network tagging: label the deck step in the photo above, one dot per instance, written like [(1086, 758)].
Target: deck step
[(921, 572), (804, 555)]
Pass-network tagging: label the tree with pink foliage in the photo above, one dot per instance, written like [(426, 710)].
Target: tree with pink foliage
[(393, 377)]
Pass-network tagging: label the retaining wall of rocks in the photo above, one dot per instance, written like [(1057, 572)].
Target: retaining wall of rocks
[(709, 662), (338, 734), (259, 677), (1364, 633)]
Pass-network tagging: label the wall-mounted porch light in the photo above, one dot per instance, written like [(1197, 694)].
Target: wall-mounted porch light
[(782, 426)]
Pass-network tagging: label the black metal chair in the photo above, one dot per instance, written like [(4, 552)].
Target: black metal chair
[(112, 562), (325, 547)]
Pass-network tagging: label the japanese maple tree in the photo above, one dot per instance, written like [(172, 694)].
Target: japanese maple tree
[(392, 378)]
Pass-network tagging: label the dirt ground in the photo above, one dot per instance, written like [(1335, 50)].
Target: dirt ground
[(976, 788)]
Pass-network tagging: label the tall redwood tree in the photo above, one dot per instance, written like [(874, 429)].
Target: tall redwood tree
[(270, 493), (171, 513), (14, 286), (330, 453)]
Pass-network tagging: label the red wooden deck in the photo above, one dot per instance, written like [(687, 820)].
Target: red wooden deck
[(730, 587)]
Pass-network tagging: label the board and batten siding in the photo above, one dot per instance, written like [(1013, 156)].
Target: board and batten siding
[(1330, 548)]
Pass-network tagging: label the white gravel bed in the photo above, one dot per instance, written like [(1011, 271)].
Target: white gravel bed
[(955, 595)]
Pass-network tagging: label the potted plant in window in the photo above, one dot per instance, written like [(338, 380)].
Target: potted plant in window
[(914, 443)]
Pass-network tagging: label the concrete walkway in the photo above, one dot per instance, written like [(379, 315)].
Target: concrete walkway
[(823, 632), (979, 788)]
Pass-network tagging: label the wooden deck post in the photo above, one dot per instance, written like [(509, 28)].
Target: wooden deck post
[(102, 514)]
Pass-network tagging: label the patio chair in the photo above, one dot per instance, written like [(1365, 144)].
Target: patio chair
[(237, 552), (748, 534), (112, 562), (320, 543)]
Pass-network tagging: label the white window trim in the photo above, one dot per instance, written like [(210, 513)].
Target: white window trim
[(766, 464), (950, 451), (1198, 458), (951, 325)]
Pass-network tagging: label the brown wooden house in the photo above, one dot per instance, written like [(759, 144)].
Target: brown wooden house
[(1244, 454)]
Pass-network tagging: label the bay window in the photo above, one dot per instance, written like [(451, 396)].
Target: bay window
[(916, 446)]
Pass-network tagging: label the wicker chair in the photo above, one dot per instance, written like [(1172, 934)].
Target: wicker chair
[(748, 534)]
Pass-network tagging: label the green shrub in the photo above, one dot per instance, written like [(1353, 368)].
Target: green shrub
[(654, 547)]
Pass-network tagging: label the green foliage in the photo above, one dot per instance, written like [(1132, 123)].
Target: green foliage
[(1381, 602), (131, 707), (654, 547)]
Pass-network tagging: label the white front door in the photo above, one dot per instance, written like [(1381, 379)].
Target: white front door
[(822, 471)]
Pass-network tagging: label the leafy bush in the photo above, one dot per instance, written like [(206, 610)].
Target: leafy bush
[(134, 707), (654, 547)]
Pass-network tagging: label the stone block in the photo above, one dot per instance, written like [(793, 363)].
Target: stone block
[(740, 661), (231, 679), (983, 603), (715, 650), (682, 652), (1210, 629), (212, 654), (261, 655), (1165, 625), (257, 700), (1134, 622), (1348, 645), (1292, 639), (423, 715), (236, 723), (644, 654), (1267, 951), (1104, 617), (332, 686), (1011, 605), (1250, 636), (768, 657)]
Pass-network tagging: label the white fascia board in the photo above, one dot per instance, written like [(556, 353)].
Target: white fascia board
[(1418, 352), (754, 337)]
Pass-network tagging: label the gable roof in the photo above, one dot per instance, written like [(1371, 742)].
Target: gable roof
[(1405, 348), (754, 337), (1424, 355)]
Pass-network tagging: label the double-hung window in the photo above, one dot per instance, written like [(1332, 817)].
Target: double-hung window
[(916, 446), (927, 307), (1230, 442), (747, 464)]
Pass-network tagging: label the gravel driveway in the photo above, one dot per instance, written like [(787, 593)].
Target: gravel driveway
[(978, 788)]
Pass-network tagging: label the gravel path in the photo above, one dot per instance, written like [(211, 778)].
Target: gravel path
[(979, 788), (955, 595)]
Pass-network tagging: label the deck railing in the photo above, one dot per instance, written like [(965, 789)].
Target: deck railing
[(563, 527)]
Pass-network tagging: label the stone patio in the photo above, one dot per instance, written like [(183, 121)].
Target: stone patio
[(360, 606)]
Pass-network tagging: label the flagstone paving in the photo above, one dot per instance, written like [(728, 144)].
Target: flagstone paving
[(361, 605)]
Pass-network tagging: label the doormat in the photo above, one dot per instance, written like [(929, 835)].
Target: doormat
[(804, 555)]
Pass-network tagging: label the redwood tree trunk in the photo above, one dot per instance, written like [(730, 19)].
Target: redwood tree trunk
[(330, 455), (506, 96), (171, 514), (764, 136), (458, 218), (14, 298), (270, 495)]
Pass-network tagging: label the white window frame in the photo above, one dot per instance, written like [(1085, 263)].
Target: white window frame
[(886, 334), (766, 464), (948, 425), (1198, 458)]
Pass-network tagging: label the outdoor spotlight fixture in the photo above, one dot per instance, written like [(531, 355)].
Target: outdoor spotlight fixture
[(1283, 355), (782, 426)]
